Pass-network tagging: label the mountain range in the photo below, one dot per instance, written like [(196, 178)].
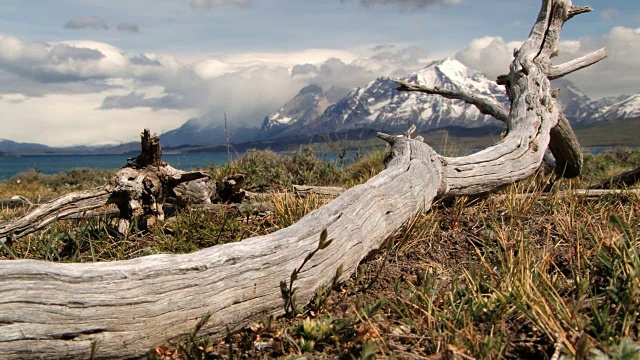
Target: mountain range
[(378, 106)]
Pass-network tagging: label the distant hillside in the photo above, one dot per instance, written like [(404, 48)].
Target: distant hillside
[(203, 131), (610, 133), (9, 146), (602, 134)]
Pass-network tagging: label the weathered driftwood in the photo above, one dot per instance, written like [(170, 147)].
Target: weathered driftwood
[(195, 192), (566, 150), (563, 145), (627, 178), (19, 201), (230, 188), (137, 189), (124, 308), (170, 210), (581, 193), (66, 205), (306, 190), (199, 191)]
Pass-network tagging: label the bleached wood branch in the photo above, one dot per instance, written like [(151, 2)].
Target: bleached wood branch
[(577, 10), (486, 105), (18, 201), (558, 71), (582, 193), (306, 190), (53, 210), (127, 307)]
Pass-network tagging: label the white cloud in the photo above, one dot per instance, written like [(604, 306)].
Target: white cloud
[(609, 14), (249, 86), (76, 62), (59, 62), (618, 74), (64, 119), (98, 90), (291, 58), (103, 81), (64, 79), (490, 54)]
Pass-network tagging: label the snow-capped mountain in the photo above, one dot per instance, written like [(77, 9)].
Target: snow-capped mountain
[(620, 107), (434, 111), (307, 105), (577, 107), (379, 106)]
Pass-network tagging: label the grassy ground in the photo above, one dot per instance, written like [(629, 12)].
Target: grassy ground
[(519, 277)]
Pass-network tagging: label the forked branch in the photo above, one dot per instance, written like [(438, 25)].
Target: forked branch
[(484, 104), (558, 71)]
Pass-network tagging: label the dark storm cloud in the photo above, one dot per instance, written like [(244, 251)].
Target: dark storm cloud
[(128, 27), (409, 4), (88, 22)]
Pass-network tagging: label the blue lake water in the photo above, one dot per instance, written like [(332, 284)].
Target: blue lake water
[(53, 164)]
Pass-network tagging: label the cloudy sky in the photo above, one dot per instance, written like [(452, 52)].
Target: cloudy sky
[(98, 71)]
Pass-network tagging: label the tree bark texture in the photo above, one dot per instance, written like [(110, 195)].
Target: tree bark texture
[(125, 308)]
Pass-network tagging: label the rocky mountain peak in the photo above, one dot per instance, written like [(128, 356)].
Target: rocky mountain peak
[(379, 106), (310, 89), (308, 104)]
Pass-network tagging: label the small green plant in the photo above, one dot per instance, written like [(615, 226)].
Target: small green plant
[(369, 351), (313, 332), (323, 294), (192, 347), (289, 292), (626, 349)]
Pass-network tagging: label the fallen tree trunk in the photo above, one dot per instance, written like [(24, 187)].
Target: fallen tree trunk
[(627, 178), (124, 308), (170, 209), (583, 193)]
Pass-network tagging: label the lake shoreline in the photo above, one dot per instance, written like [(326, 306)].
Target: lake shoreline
[(52, 164)]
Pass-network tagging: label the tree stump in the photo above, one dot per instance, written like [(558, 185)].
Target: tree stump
[(138, 189)]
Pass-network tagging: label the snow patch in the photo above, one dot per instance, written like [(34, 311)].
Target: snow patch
[(285, 120)]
